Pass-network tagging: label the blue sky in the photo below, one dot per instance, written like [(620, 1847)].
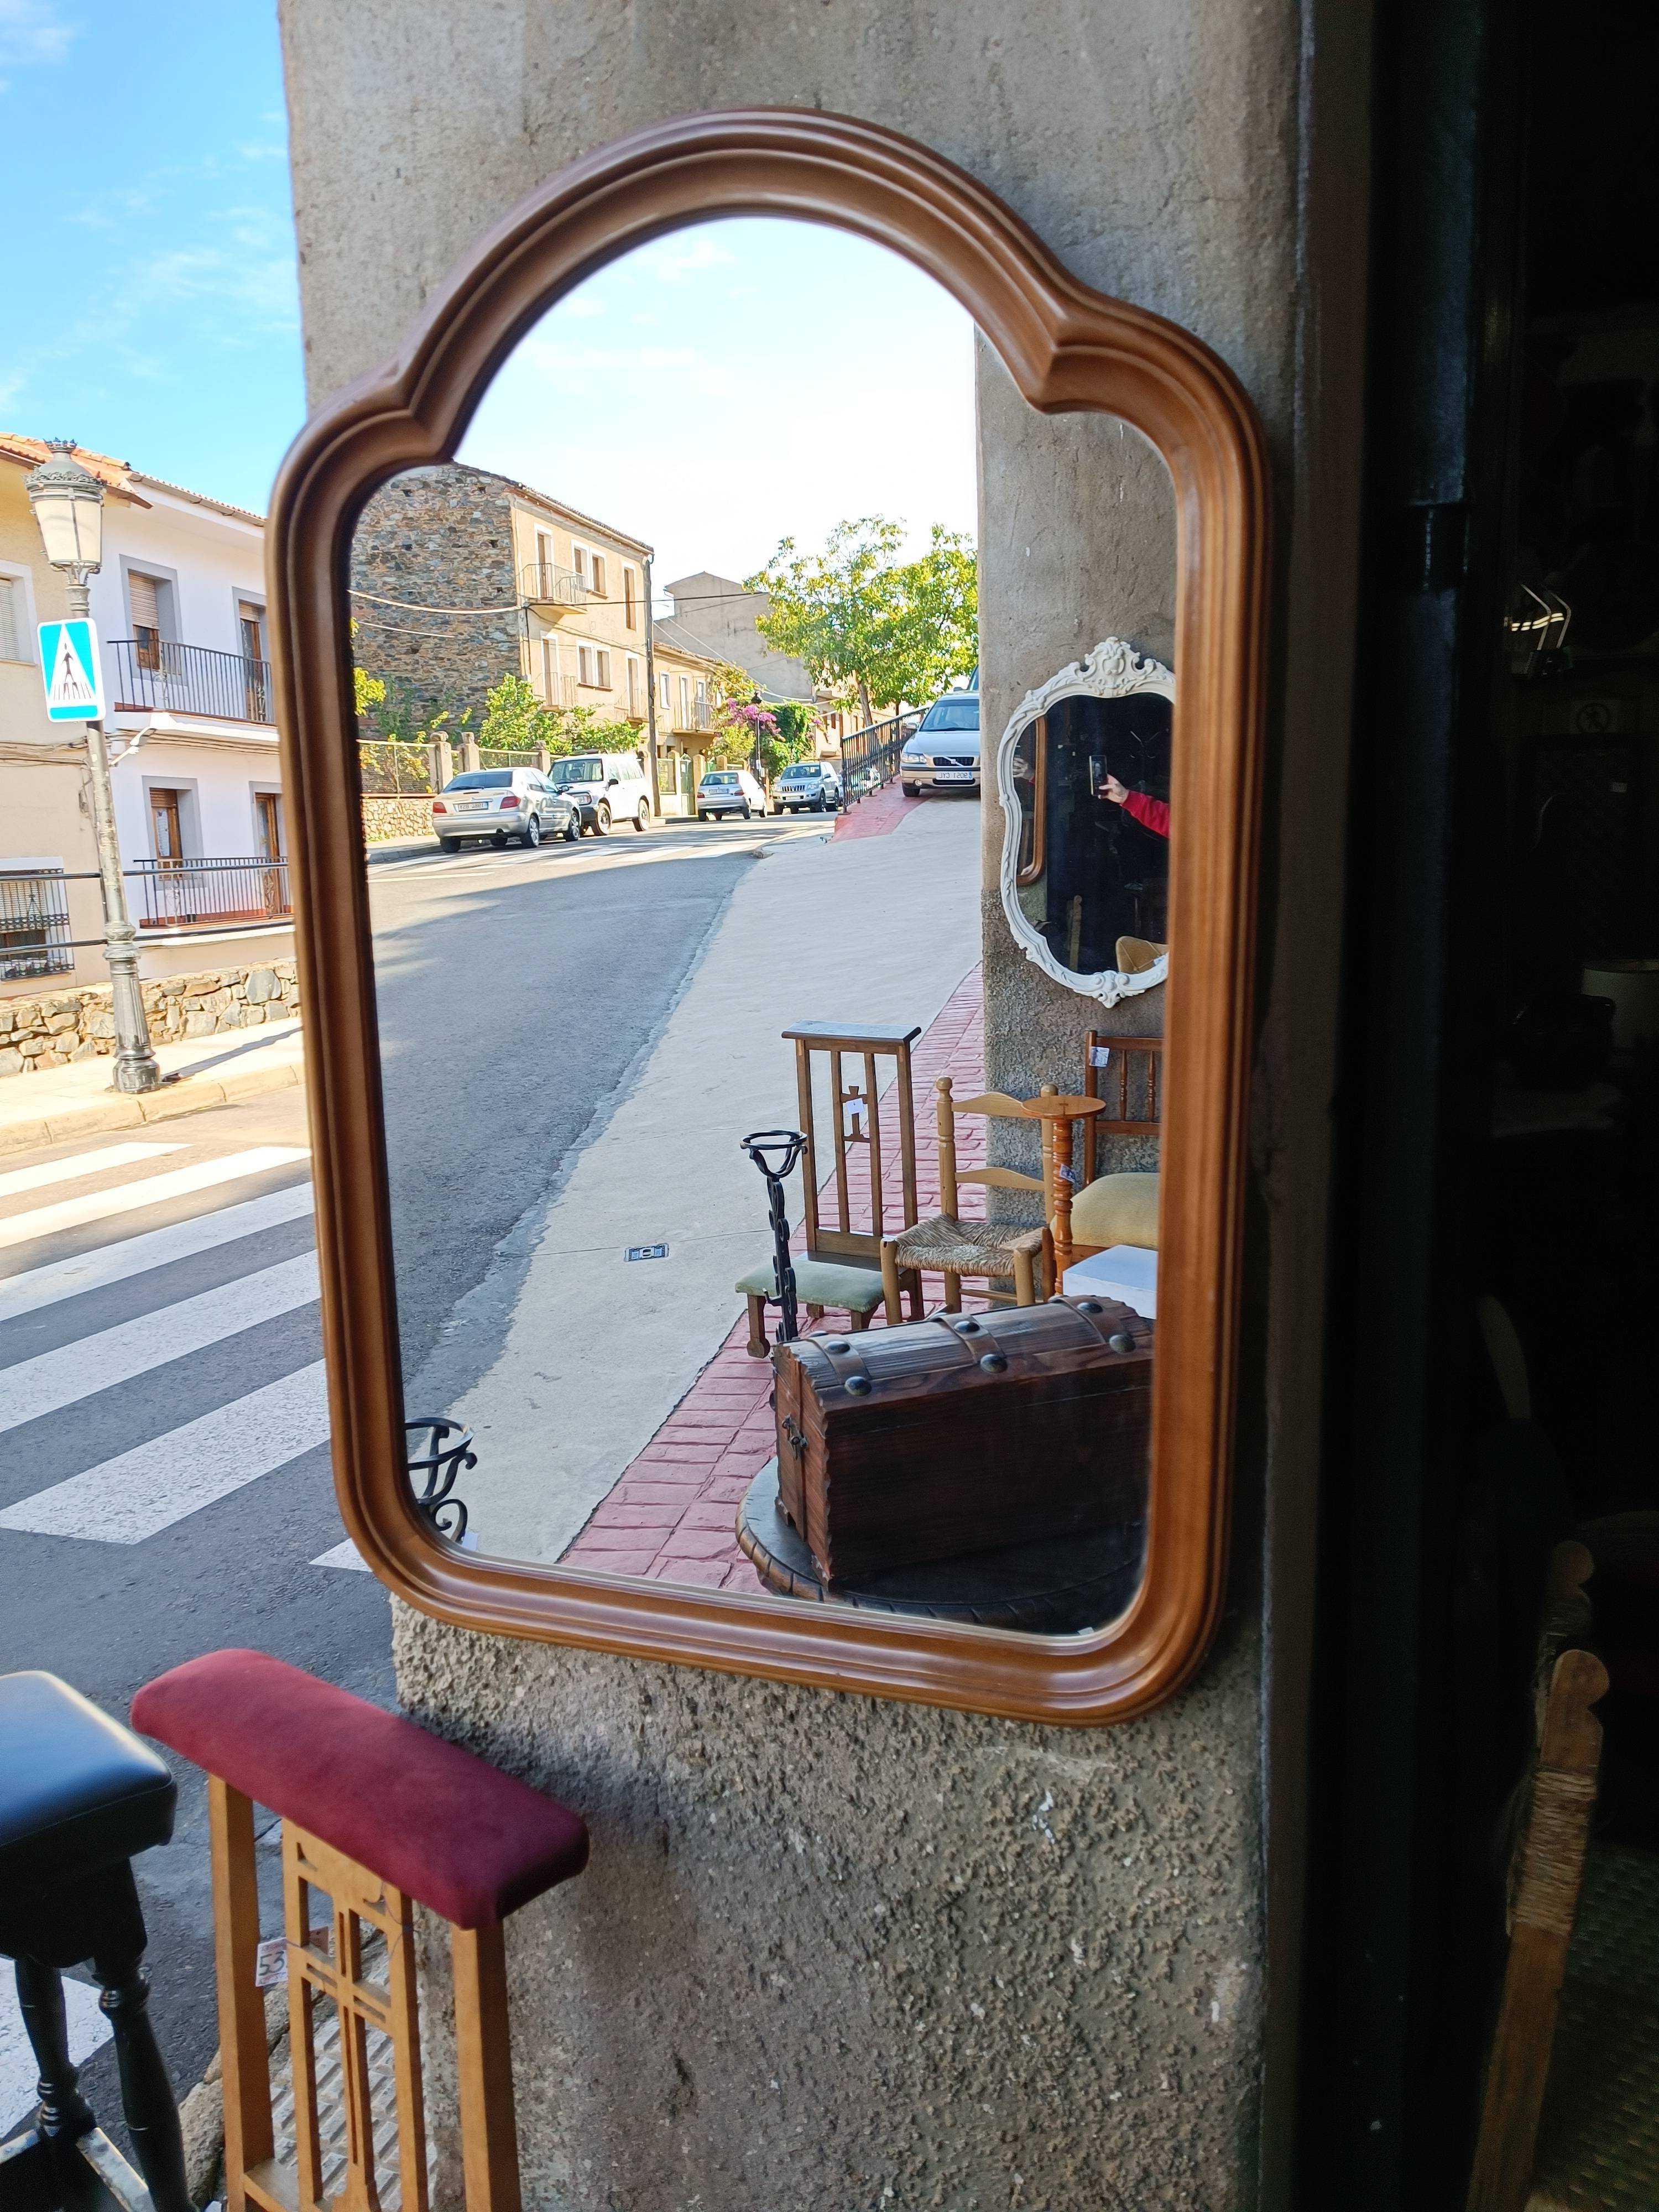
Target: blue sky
[(710, 393), (144, 160), (739, 381)]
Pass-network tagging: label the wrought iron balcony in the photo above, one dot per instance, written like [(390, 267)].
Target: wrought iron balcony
[(691, 716), (199, 894), (154, 675), (34, 927), (545, 585)]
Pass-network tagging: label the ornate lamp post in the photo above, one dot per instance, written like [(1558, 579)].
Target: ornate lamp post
[(69, 511)]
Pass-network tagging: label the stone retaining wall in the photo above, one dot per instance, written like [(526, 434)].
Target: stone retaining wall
[(389, 816), (78, 1025)]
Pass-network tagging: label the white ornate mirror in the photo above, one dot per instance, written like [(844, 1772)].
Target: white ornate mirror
[(1083, 774)]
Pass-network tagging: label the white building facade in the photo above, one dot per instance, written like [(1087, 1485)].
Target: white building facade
[(180, 606)]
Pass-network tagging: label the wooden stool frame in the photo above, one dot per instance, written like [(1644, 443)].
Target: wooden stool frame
[(254, 2181)]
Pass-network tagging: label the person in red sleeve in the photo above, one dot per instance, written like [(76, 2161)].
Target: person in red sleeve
[(1152, 814)]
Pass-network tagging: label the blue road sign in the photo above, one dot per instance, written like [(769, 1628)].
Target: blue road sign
[(71, 672)]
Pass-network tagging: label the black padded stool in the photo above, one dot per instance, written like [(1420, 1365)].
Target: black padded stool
[(79, 1797)]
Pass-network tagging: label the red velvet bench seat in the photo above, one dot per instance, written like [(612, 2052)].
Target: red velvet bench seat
[(378, 1815)]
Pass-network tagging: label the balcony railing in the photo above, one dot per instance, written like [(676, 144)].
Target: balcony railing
[(34, 927), (153, 675), (695, 714), (545, 585), (196, 894), (869, 758)]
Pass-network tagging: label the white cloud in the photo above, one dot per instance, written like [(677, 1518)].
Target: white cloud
[(32, 31)]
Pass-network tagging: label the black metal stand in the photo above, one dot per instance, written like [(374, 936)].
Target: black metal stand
[(775, 1152), (433, 1472)]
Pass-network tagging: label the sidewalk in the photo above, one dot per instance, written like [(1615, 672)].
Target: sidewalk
[(670, 1516), (202, 1072), (566, 1361)]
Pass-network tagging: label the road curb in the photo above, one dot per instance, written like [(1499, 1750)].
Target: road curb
[(191, 1094)]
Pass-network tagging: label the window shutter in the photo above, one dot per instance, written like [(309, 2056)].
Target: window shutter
[(142, 597), (10, 625), (604, 672), (598, 576)]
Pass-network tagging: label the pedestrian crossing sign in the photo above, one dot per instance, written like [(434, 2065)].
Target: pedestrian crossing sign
[(69, 670)]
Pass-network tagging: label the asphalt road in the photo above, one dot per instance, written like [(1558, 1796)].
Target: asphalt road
[(516, 990)]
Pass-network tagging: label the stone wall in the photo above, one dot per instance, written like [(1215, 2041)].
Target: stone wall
[(434, 539), (50, 1031), (387, 818)]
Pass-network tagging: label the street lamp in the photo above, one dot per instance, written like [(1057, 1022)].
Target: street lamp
[(69, 511)]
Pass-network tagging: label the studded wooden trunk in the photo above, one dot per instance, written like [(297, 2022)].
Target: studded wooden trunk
[(964, 1433)]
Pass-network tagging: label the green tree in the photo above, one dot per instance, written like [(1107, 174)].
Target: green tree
[(868, 624)]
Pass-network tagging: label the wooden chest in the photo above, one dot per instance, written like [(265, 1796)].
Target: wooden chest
[(964, 1433)]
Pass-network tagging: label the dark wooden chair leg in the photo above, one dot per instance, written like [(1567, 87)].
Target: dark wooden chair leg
[(65, 2115), (757, 1347), (146, 2099)]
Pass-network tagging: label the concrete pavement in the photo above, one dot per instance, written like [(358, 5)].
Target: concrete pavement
[(201, 1072), (566, 1358)]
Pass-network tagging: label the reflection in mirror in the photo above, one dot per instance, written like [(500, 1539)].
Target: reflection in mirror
[(709, 1271)]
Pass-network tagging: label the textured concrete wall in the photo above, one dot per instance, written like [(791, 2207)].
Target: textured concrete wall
[(833, 1951)]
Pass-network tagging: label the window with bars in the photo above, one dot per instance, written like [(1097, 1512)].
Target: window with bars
[(11, 619)]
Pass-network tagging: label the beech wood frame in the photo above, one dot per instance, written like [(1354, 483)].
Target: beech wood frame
[(1068, 348)]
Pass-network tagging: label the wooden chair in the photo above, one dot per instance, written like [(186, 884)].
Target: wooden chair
[(1093, 1211), (1545, 1872), (993, 1251), (841, 1266), (378, 1816)]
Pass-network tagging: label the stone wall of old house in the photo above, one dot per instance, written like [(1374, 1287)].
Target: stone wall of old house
[(833, 1951), (434, 539), (61, 1026)]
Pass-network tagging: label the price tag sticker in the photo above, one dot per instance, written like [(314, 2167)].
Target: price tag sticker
[(270, 1964), (1100, 1056)]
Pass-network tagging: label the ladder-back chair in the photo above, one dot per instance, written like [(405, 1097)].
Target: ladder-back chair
[(991, 1251), (1093, 1211), (841, 1266)]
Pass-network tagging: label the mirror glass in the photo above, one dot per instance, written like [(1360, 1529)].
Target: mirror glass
[(679, 806)]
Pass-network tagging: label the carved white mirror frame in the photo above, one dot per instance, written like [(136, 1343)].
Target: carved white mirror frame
[(1113, 671)]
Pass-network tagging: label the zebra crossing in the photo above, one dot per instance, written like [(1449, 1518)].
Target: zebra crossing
[(148, 1291)]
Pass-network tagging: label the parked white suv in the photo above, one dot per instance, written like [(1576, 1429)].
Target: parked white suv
[(725, 791), (606, 788)]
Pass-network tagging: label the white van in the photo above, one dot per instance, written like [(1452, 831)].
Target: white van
[(606, 788)]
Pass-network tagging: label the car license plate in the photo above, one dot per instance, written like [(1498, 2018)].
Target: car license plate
[(470, 805), (953, 774)]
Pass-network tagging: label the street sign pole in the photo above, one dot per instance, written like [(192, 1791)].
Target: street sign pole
[(69, 664)]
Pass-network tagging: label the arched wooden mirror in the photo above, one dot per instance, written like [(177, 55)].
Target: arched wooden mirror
[(354, 508)]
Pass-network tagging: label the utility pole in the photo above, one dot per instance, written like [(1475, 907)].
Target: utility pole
[(69, 509), (651, 697)]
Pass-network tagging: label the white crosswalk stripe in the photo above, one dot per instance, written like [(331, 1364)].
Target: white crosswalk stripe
[(154, 1190), (143, 1491), (47, 1385), (83, 1164), (156, 1248), (207, 1306)]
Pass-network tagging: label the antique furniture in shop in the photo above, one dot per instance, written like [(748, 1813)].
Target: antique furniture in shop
[(995, 1251), (378, 1816), (841, 1264), (1066, 348), (80, 1797), (964, 1433)]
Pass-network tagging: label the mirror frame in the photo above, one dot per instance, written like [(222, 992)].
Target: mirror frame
[(1068, 348), (1113, 671)]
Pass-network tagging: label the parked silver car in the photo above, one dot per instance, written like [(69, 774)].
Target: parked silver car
[(499, 803), (944, 753), (814, 784)]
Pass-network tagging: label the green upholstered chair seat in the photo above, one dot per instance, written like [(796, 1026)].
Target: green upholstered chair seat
[(820, 1283), (1117, 1209)]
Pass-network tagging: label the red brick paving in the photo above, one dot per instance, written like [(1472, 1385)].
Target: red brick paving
[(670, 1517), (878, 815)]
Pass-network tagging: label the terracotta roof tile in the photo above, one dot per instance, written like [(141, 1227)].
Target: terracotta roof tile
[(14, 447)]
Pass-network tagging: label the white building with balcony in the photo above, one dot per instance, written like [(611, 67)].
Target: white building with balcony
[(179, 606)]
